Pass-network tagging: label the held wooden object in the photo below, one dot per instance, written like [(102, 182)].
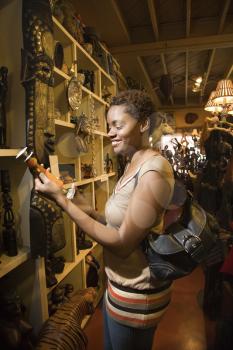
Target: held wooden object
[(36, 169)]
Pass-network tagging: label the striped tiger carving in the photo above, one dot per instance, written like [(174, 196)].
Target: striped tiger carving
[(62, 331)]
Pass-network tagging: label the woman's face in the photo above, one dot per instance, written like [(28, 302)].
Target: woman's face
[(124, 131)]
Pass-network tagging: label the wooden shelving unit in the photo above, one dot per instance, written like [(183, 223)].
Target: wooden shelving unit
[(7, 152), (23, 273), (10, 263)]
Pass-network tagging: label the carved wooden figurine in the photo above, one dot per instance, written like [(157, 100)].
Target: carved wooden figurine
[(9, 232), (68, 334)]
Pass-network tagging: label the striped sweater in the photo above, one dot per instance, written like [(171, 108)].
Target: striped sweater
[(135, 308)]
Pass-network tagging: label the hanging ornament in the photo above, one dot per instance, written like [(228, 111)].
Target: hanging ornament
[(166, 85)]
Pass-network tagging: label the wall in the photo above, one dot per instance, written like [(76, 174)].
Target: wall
[(179, 116), (10, 56)]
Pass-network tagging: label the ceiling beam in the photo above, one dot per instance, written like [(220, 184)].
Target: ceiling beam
[(223, 16), (188, 17), (207, 73), (120, 18), (153, 17), (149, 83), (188, 20), (177, 45), (212, 55), (165, 71), (186, 77), (229, 71), (139, 59)]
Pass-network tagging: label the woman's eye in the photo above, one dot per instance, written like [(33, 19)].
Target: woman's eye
[(118, 127)]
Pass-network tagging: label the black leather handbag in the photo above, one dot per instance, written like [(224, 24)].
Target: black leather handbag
[(184, 245)]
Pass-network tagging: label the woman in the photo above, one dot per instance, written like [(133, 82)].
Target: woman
[(135, 301)]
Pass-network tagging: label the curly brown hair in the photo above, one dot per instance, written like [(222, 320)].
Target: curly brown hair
[(138, 104)]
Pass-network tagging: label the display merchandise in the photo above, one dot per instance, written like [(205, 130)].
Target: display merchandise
[(47, 234), (35, 167), (74, 94), (82, 242), (38, 78), (82, 133), (58, 55), (15, 331), (9, 234), (49, 255), (68, 334)]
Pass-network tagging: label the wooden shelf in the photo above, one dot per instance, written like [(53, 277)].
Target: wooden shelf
[(9, 152), (69, 266), (84, 52), (86, 91), (113, 173), (61, 73), (27, 275), (79, 183), (59, 122), (92, 94), (102, 178), (85, 181), (101, 133), (10, 263)]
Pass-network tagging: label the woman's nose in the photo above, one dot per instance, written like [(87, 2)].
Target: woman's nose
[(111, 132)]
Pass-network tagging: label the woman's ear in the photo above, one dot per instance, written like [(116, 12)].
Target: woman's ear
[(145, 125)]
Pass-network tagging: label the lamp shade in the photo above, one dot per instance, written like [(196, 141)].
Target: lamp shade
[(230, 110), (211, 106), (224, 92)]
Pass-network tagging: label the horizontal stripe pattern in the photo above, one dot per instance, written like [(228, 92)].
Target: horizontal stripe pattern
[(135, 309), (160, 288)]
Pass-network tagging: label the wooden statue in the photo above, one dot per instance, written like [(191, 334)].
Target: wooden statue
[(37, 77), (9, 232), (68, 334)]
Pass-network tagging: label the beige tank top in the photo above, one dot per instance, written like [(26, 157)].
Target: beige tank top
[(133, 271)]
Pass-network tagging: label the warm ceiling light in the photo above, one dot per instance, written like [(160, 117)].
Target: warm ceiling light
[(224, 92), (197, 84), (199, 80), (211, 106)]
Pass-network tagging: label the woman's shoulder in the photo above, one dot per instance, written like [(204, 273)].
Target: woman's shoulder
[(156, 162)]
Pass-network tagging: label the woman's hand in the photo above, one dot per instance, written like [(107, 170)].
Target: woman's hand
[(48, 187)]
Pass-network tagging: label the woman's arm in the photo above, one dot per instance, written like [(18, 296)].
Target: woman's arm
[(145, 208), (80, 200)]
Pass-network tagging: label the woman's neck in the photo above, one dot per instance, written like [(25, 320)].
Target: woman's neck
[(140, 155)]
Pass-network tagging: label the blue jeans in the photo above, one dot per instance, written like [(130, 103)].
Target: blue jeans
[(121, 337)]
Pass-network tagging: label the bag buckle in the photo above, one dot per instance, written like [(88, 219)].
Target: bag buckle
[(193, 246)]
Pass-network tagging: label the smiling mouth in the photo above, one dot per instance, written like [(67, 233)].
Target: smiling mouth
[(115, 143)]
